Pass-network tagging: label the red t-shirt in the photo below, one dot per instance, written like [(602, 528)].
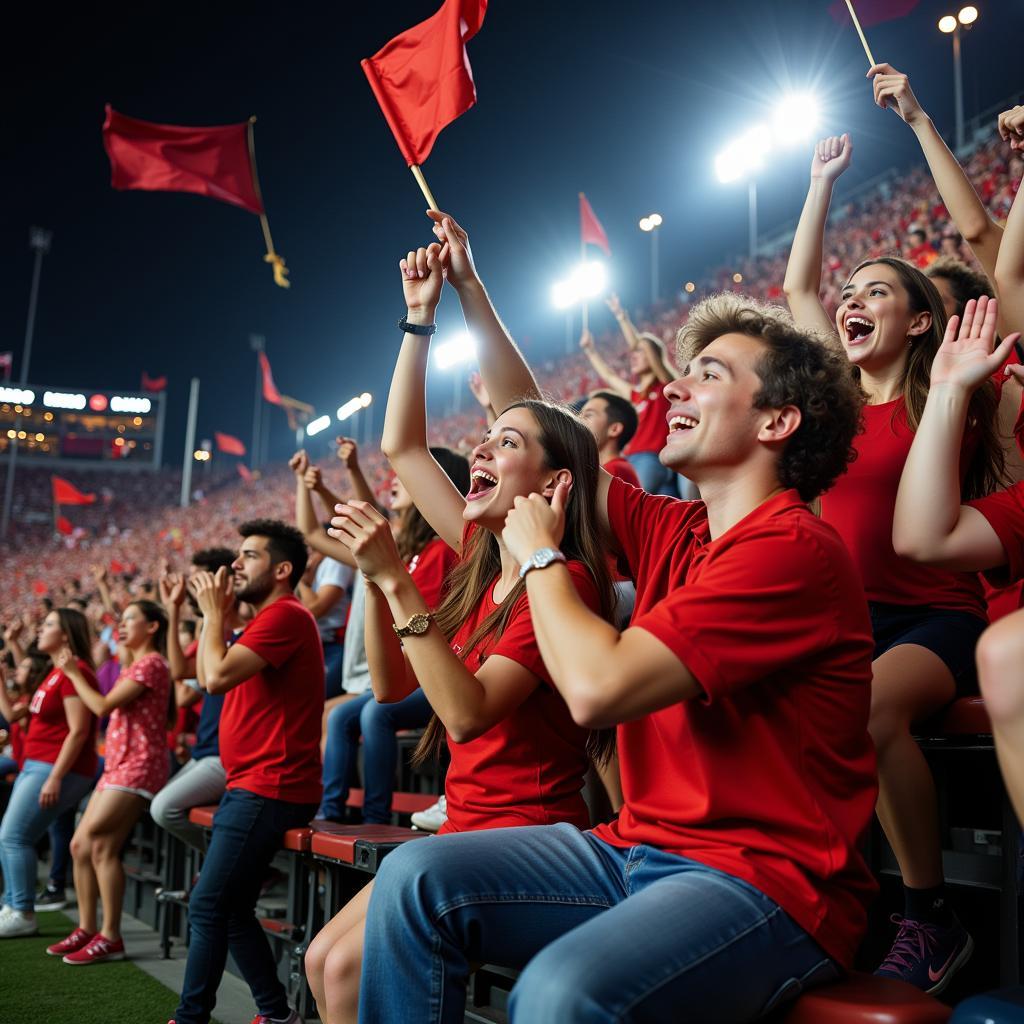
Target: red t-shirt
[(623, 469), (861, 505), (1004, 511), (770, 776), (270, 723), (429, 569), (652, 410), (528, 769), (49, 723)]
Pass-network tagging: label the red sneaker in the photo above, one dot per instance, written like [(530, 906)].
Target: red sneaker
[(72, 944), (96, 951), (293, 1018)]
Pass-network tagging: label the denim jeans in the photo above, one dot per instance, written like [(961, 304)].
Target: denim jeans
[(377, 723), (654, 477), (247, 832), (334, 654), (24, 824), (61, 832), (604, 934)]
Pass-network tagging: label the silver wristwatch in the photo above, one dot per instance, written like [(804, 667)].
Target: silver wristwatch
[(541, 559)]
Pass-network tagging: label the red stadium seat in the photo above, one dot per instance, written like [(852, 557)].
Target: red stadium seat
[(966, 717), (298, 839), (865, 999), (338, 842), (203, 816), (401, 803)]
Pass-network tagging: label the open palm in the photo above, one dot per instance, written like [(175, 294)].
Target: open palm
[(966, 357)]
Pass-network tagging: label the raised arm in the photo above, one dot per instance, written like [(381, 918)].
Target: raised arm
[(124, 692), (618, 384), (12, 640), (803, 272), (7, 709), (505, 372), (1009, 274), (99, 575), (972, 220), (404, 440), (930, 524), (305, 514), (391, 677), (348, 452), (172, 594)]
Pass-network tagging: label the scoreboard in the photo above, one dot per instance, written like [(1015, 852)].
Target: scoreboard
[(60, 426)]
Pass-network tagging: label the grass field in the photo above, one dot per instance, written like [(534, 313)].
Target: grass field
[(40, 989)]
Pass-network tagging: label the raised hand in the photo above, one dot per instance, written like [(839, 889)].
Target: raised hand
[(587, 341), (313, 478), (534, 523), (367, 534), (892, 89), (831, 157), (456, 255), (965, 358), (423, 278), (213, 592), (99, 573), (612, 302), (348, 452), (1011, 127), (13, 631), (299, 463), (479, 389), (172, 590)]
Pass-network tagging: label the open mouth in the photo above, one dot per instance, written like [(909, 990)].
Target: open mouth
[(481, 483), (858, 329), (678, 424)]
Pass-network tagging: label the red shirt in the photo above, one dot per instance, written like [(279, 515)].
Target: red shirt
[(652, 410), (770, 775), (623, 469), (429, 569), (861, 505), (270, 724), (528, 769), (49, 722), (1004, 511)]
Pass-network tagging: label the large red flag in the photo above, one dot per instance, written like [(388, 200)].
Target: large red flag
[(422, 78), (153, 383), (214, 162), (270, 392), (872, 12), (591, 231), (66, 493), (228, 444)]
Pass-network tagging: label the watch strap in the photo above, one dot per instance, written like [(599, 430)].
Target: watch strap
[(423, 329)]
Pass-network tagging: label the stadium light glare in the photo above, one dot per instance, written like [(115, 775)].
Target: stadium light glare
[(320, 423), (365, 399), (650, 222), (796, 118), (967, 15), (562, 295), (22, 396), (947, 24), (585, 281), (63, 400), (744, 154), (460, 349), (352, 406)]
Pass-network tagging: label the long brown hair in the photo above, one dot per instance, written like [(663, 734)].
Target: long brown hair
[(75, 627), (414, 532), (568, 444), (986, 470)]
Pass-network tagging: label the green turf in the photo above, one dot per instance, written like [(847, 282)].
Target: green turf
[(40, 989)]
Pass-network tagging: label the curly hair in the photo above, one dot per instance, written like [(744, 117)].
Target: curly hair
[(797, 368), (965, 282), (284, 543)]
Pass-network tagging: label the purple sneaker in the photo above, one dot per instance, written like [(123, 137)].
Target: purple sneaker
[(925, 955)]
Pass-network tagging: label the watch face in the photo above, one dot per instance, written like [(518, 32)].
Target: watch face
[(419, 624)]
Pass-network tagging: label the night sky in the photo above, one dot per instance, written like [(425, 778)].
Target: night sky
[(628, 102)]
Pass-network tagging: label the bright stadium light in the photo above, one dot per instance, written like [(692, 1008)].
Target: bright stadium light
[(967, 15), (320, 423), (63, 400), (351, 407), (563, 295), (796, 118), (590, 279), (743, 155), (22, 396), (947, 24), (365, 399), (461, 349)]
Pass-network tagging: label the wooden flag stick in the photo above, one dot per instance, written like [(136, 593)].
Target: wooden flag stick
[(860, 32), (273, 258), (424, 187)]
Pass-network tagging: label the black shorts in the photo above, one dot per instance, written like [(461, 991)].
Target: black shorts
[(952, 635)]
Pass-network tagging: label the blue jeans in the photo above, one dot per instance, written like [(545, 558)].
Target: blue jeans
[(61, 832), (247, 832), (604, 934), (377, 724), (24, 824), (334, 654), (654, 477)]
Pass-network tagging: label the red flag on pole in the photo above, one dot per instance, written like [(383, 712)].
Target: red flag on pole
[(153, 383), (66, 493), (422, 78), (64, 526), (270, 392), (245, 472), (214, 162), (591, 231), (872, 12), (228, 444)]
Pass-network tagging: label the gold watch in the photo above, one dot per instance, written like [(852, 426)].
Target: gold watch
[(417, 625)]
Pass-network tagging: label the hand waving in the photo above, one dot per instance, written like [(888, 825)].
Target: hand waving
[(965, 358)]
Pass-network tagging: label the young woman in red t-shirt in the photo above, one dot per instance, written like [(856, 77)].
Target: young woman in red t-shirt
[(517, 757), (926, 620), (59, 765), (136, 765)]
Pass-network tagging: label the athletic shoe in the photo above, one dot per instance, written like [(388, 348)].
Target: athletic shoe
[(72, 944), (293, 1018), (433, 817), (14, 924), (98, 950), (52, 898), (926, 955)]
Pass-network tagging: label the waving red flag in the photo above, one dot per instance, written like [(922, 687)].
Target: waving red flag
[(270, 392), (228, 444), (153, 383), (66, 493), (63, 525), (422, 78), (591, 231), (245, 472), (214, 162)]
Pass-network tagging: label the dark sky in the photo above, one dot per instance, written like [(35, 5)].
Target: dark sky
[(627, 101)]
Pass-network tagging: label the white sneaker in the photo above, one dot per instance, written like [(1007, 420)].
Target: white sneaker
[(432, 818), (14, 924)]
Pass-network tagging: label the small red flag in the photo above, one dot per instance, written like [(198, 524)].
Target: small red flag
[(66, 493), (116, 567), (591, 231), (153, 383), (270, 392), (228, 444), (245, 472), (872, 12), (422, 78), (39, 588), (214, 162), (64, 526)]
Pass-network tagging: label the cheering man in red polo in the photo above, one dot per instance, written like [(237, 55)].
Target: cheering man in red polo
[(273, 678)]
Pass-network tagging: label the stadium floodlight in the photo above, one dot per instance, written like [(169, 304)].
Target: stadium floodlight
[(589, 279), (795, 118), (967, 15), (651, 222), (350, 408), (365, 399), (320, 423), (20, 396), (744, 155), (563, 295), (947, 24), (458, 350)]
